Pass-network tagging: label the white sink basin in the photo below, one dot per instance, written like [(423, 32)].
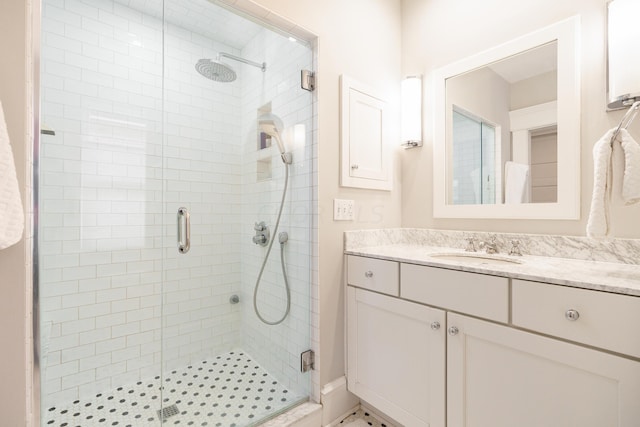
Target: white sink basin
[(480, 259)]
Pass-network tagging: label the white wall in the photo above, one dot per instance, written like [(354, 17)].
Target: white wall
[(429, 41), (535, 90), (14, 280), (360, 38)]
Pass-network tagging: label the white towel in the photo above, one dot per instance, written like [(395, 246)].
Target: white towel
[(616, 169), (516, 182), (598, 223), (11, 212), (631, 177)]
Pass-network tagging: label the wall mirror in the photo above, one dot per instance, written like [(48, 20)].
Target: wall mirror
[(507, 130)]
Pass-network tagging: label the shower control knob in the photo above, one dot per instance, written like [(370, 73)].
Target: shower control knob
[(453, 330), (368, 274), (260, 239), (435, 326), (259, 226)]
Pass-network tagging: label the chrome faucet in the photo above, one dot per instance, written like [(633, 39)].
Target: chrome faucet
[(491, 246), (471, 244), (515, 248)]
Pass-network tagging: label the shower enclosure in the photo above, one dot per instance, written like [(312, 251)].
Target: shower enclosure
[(153, 177)]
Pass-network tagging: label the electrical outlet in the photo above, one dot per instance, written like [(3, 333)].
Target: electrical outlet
[(343, 210)]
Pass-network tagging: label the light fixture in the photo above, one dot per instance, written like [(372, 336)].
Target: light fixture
[(623, 61), (412, 112)]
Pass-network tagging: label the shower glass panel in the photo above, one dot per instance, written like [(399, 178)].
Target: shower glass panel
[(134, 331), (474, 160)]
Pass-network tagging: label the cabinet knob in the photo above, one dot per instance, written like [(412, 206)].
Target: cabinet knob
[(368, 274), (354, 167), (453, 330), (572, 315), (435, 326)]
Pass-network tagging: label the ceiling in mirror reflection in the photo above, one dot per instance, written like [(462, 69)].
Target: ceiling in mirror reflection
[(534, 62)]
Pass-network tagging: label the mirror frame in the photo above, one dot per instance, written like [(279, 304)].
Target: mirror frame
[(566, 33)]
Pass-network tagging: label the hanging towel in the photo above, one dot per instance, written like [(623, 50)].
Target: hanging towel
[(631, 176), (598, 223), (516, 182), (11, 212), (616, 167)]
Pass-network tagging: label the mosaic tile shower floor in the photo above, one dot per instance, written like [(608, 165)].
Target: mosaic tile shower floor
[(229, 390)]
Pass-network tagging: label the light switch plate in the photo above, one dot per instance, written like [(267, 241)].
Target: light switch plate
[(343, 210)]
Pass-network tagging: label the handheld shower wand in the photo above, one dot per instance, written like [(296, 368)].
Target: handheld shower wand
[(272, 125)]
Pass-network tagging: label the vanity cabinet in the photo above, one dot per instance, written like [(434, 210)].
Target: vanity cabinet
[(504, 352), (396, 358), (499, 376)]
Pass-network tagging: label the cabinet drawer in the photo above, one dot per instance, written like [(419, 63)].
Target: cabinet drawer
[(373, 274), (475, 294), (600, 319)]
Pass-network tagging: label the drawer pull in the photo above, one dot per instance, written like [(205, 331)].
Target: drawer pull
[(368, 274), (572, 315), (435, 326), (453, 330)]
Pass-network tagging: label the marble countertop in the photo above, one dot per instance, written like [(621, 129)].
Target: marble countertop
[(596, 275)]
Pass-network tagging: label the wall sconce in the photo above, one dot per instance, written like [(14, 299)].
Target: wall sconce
[(623, 61), (412, 112)]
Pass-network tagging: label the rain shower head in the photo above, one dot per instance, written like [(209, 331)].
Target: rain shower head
[(215, 69)]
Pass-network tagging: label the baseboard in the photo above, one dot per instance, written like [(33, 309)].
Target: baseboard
[(337, 401)]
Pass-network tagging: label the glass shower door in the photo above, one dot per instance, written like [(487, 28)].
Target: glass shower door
[(221, 364), (100, 213), (134, 331)]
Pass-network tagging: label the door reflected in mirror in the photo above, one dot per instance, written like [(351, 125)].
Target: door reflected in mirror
[(502, 130)]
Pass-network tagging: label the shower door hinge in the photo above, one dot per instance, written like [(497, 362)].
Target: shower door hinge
[(307, 361), (308, 80)]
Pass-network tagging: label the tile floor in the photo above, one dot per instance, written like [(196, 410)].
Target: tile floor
[(229, 390), (363, 418)]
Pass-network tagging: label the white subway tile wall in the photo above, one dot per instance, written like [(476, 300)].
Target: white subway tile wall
[(121, 164), (277, 348)]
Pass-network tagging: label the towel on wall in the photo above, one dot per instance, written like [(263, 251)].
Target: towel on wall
[(631, 177), (616, 178), (11, 211), (516, 182), (598, 223)]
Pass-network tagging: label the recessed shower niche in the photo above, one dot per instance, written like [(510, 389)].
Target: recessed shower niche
[(264, 152), (154, 109)]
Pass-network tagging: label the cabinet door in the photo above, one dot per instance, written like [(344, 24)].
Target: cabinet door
[(503, 377), (396, 357), (364, 137)]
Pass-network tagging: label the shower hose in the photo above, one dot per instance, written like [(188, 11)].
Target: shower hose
[(266, 257)]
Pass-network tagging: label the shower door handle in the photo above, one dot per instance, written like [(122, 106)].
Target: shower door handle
[(184, 230)]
